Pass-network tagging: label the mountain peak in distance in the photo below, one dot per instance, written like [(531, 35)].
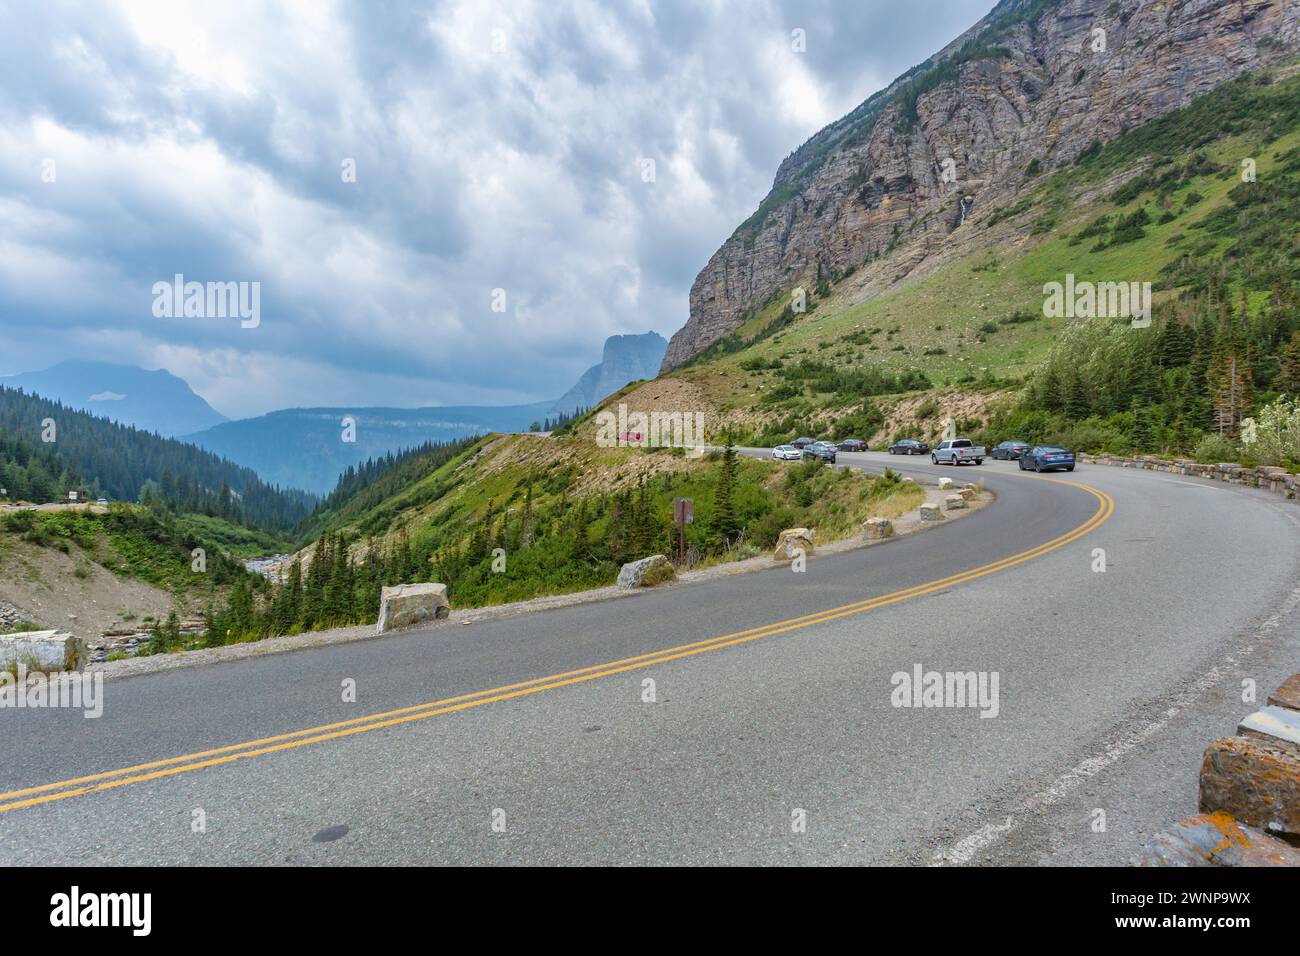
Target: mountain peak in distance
[(152, 400), (625, 358)]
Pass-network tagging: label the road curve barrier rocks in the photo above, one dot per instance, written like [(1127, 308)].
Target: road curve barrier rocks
[(1287, 695), (969, 492), (645, 573), (408, 604), (1216, 839), (45, 651), (1255, 776), (875, 529), (953, 502), (930, 512), (1267, 477), (945, 484), (791, 542)]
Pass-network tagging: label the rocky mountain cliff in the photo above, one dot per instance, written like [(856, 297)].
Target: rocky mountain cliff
[(1026, 90), (626, 358)]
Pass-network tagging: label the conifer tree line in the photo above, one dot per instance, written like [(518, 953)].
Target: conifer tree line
[(101, 457), (550, 424), (1198, 371)]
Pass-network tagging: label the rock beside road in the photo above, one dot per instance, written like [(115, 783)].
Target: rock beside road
[(791, 542), (408, 604), (1216, 839), (646, 572), (930, 512), (874, 529), (43, 651)]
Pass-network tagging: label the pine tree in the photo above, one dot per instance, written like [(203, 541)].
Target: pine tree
[(1289, 378), (725, 524)]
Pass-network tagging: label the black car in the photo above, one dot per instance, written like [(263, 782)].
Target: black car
[(1009, 450), (853, 444), (820, 449), (803, 442), (909, 446), (1047, 458)]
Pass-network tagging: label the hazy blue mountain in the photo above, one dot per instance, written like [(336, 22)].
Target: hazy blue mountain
[(305, 447), (626, 358), (155, 401)]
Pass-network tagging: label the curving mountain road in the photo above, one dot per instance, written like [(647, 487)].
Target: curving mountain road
[(772, 700)]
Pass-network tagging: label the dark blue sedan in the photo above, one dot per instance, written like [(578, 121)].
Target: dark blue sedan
[(1047, 458)]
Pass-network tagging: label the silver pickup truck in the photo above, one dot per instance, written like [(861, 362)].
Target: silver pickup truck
[(955, 451)]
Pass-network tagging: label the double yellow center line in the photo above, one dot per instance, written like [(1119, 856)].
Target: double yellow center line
[(108, 780)]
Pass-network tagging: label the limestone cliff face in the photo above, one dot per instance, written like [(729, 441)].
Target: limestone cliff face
[(895, 179), (626, 358)]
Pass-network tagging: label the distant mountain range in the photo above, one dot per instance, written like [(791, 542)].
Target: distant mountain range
[(309, 448), (626, 358), (155, 401)]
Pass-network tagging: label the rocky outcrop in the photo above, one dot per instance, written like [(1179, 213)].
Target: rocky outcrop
[(626, 358), (897, 182)]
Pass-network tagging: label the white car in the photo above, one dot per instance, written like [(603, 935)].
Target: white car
[(787, 453)]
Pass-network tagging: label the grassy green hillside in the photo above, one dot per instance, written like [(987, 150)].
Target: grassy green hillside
[(133, 542), (514, 517), (1165, 204)]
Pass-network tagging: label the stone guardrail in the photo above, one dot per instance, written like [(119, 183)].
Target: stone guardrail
[(1269, 478)]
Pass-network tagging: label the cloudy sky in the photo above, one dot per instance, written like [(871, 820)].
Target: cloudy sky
[(496, 145)]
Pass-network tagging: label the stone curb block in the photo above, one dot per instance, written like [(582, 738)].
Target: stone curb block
[(43, 651), (1216, 839), (1255, 780), (408, 604), (874, 529), (1269, 478), (646, 573), (791, 541)]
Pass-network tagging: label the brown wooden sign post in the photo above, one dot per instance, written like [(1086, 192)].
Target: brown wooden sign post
[(683, 514)]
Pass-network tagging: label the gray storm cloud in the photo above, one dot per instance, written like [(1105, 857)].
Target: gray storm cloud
[(495, 146)]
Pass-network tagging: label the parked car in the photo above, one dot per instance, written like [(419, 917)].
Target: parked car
[(1009, 450), (958, 451), (821, 449), (786, 453), (909, 446), (802, 442), (1047, 458), (853, 444), (102, 501)]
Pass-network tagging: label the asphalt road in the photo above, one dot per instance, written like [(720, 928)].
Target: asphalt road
[(764, 744)]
